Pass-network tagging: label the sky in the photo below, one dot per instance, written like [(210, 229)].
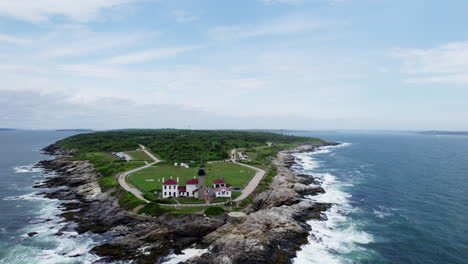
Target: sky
[(243, 64)]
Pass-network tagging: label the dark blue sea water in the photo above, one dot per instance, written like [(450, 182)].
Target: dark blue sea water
[(399, 198)]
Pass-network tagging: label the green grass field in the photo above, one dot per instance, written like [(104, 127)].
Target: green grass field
[(138, 155), (147, 179)]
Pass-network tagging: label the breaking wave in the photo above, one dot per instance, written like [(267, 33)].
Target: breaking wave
[(331, 239), (26, 169), (47, 239), (186, 254)]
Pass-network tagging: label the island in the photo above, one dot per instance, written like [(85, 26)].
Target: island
[(160, 192)]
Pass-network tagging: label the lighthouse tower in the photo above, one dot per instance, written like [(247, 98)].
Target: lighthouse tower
[(201, 183)]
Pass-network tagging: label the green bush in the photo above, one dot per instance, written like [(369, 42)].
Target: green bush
[(165, 201), (214, 210), (154, 209), (150, 196), (128, 201), (107, 182)]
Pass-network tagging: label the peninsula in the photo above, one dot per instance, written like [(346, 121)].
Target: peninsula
[(159, 192)]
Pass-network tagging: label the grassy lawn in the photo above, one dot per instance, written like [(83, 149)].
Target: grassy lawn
[(147, 179), (138, 155), (98, 157), (184, 210), (189, 200), (108, 165), (234, 195)]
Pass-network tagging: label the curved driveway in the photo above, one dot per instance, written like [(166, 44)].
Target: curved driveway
[(122, 176), (259, 173)]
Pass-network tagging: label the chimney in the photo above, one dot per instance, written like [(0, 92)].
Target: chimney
[(163, 180), (177, 179)]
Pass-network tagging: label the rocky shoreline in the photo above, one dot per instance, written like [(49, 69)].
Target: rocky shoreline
[(272, 231)]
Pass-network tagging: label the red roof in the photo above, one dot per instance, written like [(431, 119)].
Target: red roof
[(192, 181), (170, 182), (223, 188), (182, 188), (219, 181)]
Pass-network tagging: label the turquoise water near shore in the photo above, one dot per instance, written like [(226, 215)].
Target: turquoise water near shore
[(398, 198)]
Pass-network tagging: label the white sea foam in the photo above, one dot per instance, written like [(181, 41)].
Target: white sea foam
[(26, 169), (382, 212), (186, 254), (46, 247), (337, 235), (27, 197)]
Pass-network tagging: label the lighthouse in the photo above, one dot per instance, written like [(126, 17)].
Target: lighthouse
[(201, 183)]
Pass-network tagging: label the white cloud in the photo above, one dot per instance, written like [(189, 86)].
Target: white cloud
[(184, 16), (42, 10), (149, 55), (280, 26), (12, 39), (444, 64), (92, 70)]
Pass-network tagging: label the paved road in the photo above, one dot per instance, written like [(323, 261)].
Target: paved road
[(259, 173), (149, 154), (122, 176), (253, 182)]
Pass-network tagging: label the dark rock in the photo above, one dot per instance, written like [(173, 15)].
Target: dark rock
[(31, 234)]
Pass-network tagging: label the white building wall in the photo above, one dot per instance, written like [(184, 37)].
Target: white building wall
[(170, 191), (190, 188), (223, 193)]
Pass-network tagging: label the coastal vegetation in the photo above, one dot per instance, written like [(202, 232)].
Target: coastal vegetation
[(177, 145), (128, 201), (210, 148), (214, 210)]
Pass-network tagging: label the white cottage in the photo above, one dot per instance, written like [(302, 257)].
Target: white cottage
[(192, 188), (223, 192), (170, 188), (221, 189)]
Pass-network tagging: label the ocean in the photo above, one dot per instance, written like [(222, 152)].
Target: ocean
[(23, 210), (397, 198)]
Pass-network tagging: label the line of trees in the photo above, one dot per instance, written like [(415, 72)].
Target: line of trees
[(177, 145)]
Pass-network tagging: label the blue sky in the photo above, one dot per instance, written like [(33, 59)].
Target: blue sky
[(296, 64)]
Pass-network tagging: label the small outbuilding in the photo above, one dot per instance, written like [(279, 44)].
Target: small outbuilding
[(223, 192)]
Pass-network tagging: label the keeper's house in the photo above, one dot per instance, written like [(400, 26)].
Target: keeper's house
[(171, 188)]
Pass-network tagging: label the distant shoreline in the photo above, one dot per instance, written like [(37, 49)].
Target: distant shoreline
[(445, 133)]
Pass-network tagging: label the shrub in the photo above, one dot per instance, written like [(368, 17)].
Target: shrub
[(150, 196), (165, 201), (107, 182), (128, 201), (154, 209), (214, 210)]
